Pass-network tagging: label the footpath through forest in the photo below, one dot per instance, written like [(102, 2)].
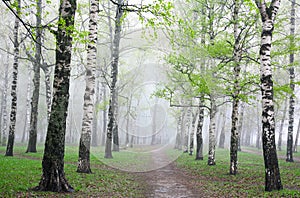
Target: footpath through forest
[(168, 180)]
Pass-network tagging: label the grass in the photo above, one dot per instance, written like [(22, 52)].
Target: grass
[(249, 182), (23, 171)]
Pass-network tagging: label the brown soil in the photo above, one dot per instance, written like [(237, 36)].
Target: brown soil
[(167, 181)]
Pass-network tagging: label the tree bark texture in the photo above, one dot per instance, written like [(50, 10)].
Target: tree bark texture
[(116, 146), (4, 106), (212, 132), (114, 77), (88, 106), (236, 92), (289, 148), (53, 178), (47, 72), (272, 173), (13, 111), (36, 81), (199, 137)]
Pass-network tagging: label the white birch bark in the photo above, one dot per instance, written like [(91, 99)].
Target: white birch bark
[(88, 106), (36, 81), (290, 141), (236, 91), (13, 112), (4, 106), (272, 173), (212, 132)]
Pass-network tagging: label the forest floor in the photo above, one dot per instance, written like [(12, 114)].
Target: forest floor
[(148, 172), (260, 152)]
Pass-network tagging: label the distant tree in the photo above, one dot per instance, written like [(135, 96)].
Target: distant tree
[(36, 81), (114, 77), (268, 14), (88, 106), (289, 151), (13, 111), (192, 134), (28, 108), (53, 178), (281, 125)]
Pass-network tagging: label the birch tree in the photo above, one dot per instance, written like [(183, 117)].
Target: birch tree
[(289, 151), (13, 111), (53, 177), (199, 137), (36, 81), (235, 105), (114, 77), (88, 106), (4, 122), (268, 14)]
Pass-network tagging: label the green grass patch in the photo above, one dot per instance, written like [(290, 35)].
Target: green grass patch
[(249, 182), (23, 171)]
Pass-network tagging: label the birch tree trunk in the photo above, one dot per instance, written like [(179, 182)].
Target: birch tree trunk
[(281, 125), (187, 130), (104, 115), (88, 106), (4, 106), (47, 72), (199, 151), (128, 120), (13, 112), (36, 81), (258, 136), (222, 134), (178, 135), (212, 131), (116, 123), (289, 148), (272, 173), (114, 77), (236, 92), (193, 132), (53, 178), (28, 108), (95, 139)]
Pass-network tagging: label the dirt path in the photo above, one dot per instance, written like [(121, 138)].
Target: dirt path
[(167, 181)]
